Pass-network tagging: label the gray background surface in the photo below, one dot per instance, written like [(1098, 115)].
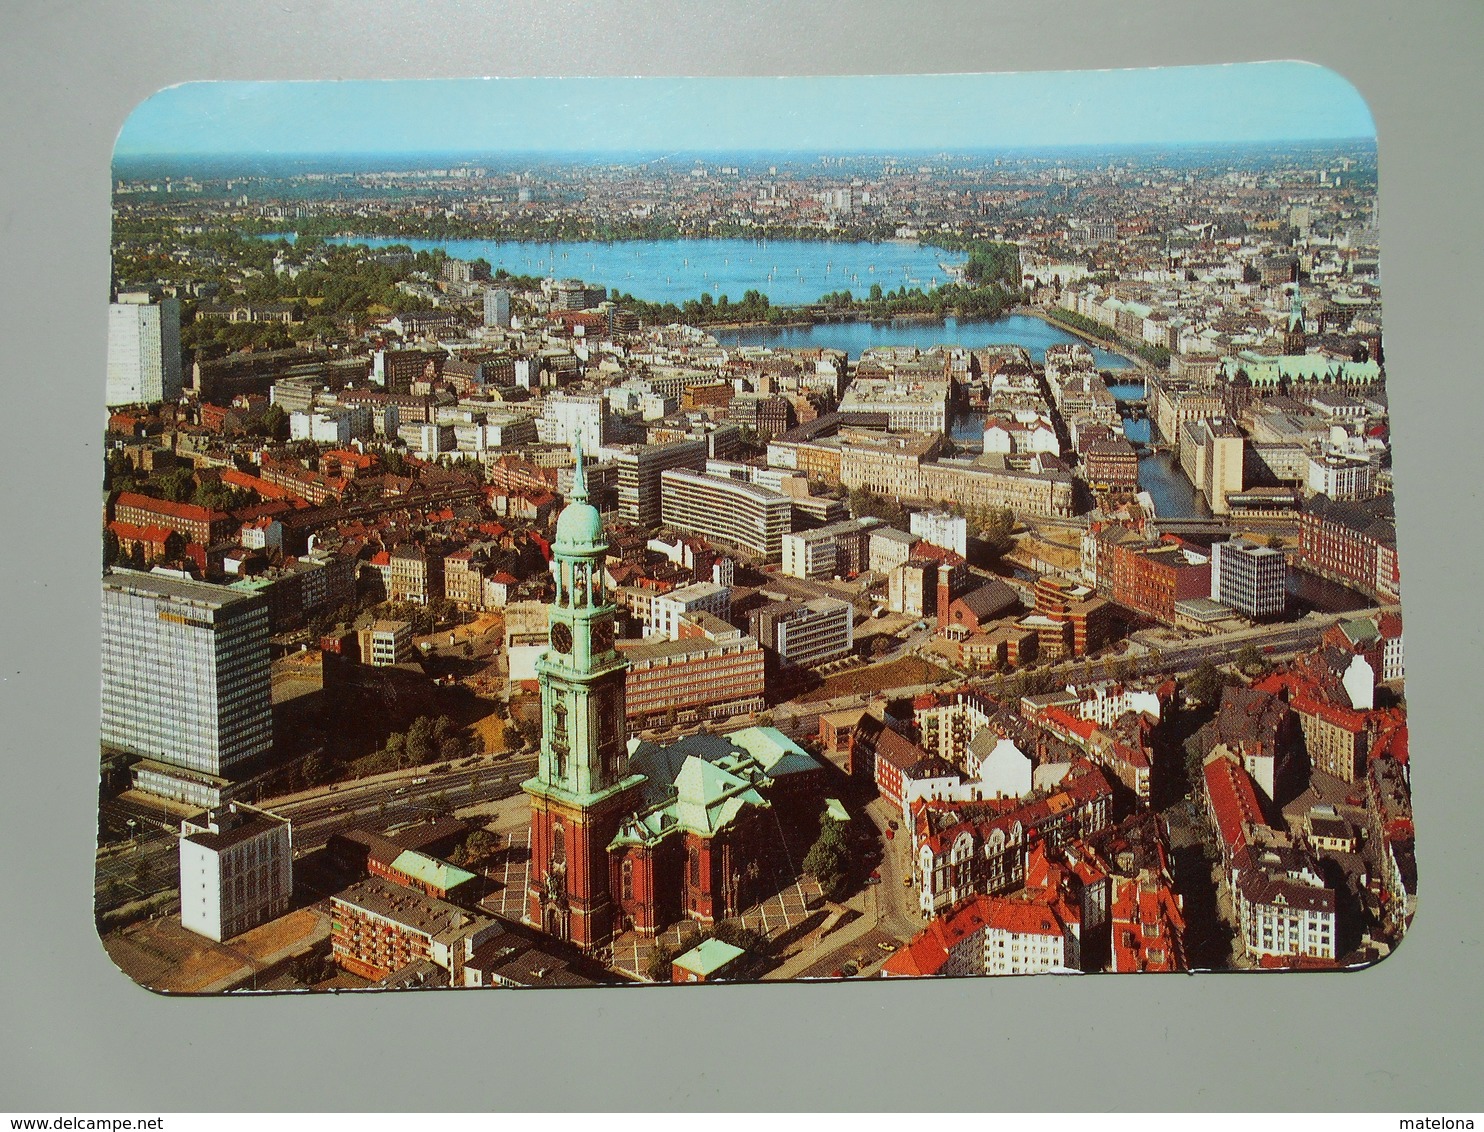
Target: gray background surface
[(78, 1036)]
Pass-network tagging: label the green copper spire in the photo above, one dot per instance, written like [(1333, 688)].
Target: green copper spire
[(579, 530), (579, 474), (1296, 311)]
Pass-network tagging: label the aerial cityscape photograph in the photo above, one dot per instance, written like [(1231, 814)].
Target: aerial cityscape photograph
[(588, 532)]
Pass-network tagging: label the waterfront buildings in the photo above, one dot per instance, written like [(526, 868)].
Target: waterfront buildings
[(909, 405), (1352, 543), (186, 682), (236, 870), (1211, 455), (143, 351), (1150, 577)]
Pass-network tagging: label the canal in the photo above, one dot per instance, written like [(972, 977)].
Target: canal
[(1159, 473)]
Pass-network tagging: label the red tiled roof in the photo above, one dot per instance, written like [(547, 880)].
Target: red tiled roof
[(1233, 800), (188, 511)]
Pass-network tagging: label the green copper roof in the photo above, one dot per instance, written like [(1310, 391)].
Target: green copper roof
[(835, 810), (430, 870), (701, 783), (709, 797), (1269, 369), (708, 957)]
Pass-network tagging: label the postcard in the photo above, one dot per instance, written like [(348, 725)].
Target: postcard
[(580, 532)]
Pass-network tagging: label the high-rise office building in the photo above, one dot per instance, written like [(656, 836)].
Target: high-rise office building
[(1249, 578), (186, 682), (639, 469), (725, 511), (497, 308), (143, 352)]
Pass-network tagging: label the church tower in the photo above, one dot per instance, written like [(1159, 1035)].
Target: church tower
[(1294, 341), (582, 788)]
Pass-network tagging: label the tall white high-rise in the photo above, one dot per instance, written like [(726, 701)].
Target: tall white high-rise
[(143, 352), (186, 681), (497, 307)]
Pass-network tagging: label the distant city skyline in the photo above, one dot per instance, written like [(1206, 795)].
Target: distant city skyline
[(1251, 103)]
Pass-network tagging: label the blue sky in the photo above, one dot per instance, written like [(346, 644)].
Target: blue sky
[(1245, 102)]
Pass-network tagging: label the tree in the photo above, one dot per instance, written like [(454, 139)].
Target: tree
[(1251, 661), (112, 552), (396, 749), (657, 965), (177, 485), (1275, 542), (421, 744), (998, 534), (828, 859), (1203, 686), (479, 844), (315, 769)]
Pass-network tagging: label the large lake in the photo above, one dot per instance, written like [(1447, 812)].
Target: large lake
[(1017, 329), (789, 272)]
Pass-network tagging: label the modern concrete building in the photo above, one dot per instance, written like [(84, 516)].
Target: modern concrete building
[(805, 633), (1340, 476), (841, 548), (706, 677), (386, 643), (666, 610), (1212, 455), (568, 417), (497, 307), (143, 352), (1249, 578), (236, 870), (951, 532), (186, 681), (725, 511), (638, 469)]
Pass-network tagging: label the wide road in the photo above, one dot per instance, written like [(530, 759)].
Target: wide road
[(126, 872)]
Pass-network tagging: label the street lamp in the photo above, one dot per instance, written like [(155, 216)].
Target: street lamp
[(132, 843)]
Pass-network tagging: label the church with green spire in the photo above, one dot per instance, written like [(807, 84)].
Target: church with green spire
[(629, 835)]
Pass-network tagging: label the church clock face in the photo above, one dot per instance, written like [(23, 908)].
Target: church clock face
[(602, 636), (561, 637)]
